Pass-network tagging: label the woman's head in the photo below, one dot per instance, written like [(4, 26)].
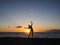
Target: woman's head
[(29, 25)]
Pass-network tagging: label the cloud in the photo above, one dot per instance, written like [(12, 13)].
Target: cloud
[(18, 26)]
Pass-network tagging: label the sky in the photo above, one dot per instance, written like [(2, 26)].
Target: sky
[(45, 14)]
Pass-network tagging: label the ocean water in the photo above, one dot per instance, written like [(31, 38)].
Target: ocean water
[(35, 34)]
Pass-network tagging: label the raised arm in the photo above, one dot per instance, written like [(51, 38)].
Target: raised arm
[(31, 23)]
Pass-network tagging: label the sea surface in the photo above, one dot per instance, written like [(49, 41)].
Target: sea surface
[(35, 34)]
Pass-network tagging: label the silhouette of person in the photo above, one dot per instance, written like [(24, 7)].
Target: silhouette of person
[(31, 29)]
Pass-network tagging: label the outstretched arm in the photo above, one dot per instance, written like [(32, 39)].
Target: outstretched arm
[(26, 28)]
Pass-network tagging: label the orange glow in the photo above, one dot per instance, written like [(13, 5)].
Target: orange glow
[(27, 31)]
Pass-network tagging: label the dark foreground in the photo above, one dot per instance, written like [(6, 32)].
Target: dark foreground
[(28, 41)]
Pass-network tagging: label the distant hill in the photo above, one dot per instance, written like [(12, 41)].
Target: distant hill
[(54, 30)]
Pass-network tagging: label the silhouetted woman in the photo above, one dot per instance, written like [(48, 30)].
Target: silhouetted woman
[(31, 29)]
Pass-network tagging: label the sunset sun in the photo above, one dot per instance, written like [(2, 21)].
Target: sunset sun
[(27, 31)]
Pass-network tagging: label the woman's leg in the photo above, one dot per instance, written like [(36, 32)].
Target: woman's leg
[(29, 34), (32, 34)]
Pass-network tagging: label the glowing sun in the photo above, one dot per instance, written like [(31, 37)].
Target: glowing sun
[(27, 31)]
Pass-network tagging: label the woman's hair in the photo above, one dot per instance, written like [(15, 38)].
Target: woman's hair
[(28, 25)]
